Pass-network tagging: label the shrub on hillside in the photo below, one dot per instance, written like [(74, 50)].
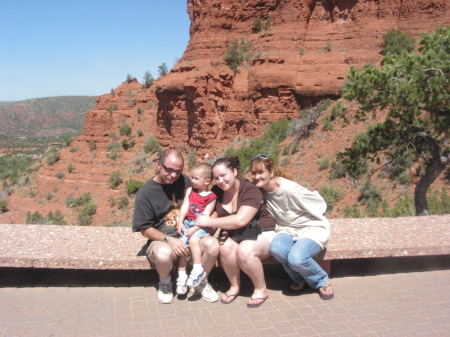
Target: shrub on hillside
[(162, 70), (53, 158), (113, 146), (56, 218), (324, 164), (192, 158), (14, 166), (113, 135), (439, 203), (115, 179), (112, 108), (257, 25), (285, 160), (3, 206), (133, 186), (338, 170), (123, 202), (112, 201), (323, 105), (303, 127), (151, 145), (113, 155), (277, 131), (81, 200), (352, 212), (327, 125), (396, 42), (128, 144), (338, 110), (69, 200), (331, 195), (140, 162), (35, 218), (125, 129), (85, 215), (370, 196), (267, 144), (404, 206), (148, 79), (236, 53)]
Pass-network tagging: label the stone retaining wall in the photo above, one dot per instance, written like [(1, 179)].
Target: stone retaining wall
[(75, 247)]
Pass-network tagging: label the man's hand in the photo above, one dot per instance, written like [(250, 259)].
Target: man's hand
[(178, 246)]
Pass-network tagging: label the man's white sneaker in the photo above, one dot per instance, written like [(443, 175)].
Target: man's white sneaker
[(207, 292), (165, 294), (195, 280)]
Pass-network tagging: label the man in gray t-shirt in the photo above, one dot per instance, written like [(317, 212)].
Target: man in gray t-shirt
[(155, 216)]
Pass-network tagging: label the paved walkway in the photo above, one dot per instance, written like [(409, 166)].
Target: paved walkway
[(409, 303)]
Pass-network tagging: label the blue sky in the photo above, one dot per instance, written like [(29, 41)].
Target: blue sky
[(85, 47)]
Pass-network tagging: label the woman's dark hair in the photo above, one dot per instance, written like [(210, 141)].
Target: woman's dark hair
[(230, 162)]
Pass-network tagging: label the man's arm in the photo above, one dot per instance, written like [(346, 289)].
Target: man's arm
[(176, 244), (153, 234)]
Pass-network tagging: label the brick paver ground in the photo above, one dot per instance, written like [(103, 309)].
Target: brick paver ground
[(409, 303)]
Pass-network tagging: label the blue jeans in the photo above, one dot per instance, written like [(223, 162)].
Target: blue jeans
[(189, 223), (297, 258)]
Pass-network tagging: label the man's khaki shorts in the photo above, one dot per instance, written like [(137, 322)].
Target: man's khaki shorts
[(151, 248)]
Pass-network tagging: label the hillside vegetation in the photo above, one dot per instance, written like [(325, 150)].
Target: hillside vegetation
[(324, 144), (42, 118)]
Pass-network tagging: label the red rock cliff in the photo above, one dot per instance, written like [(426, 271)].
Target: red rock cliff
[(301, 56)]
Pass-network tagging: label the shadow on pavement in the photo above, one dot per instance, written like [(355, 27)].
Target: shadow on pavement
[(388, 265), (276, 277)]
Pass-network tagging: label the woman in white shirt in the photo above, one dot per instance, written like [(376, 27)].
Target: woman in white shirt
[(302, 228)]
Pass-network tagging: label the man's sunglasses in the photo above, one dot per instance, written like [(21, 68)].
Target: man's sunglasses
[(262, 156), (171, 170)]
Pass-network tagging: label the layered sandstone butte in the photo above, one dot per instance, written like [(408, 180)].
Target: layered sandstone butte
[(301, 57)]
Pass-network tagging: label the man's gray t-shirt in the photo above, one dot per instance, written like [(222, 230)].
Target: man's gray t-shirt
[(154, 205)]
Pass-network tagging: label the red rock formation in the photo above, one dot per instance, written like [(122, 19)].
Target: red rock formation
[(302, 56)]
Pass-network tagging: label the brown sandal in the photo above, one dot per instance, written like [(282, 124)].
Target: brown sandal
[(322, 292), (229, 298), (256, 305)]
